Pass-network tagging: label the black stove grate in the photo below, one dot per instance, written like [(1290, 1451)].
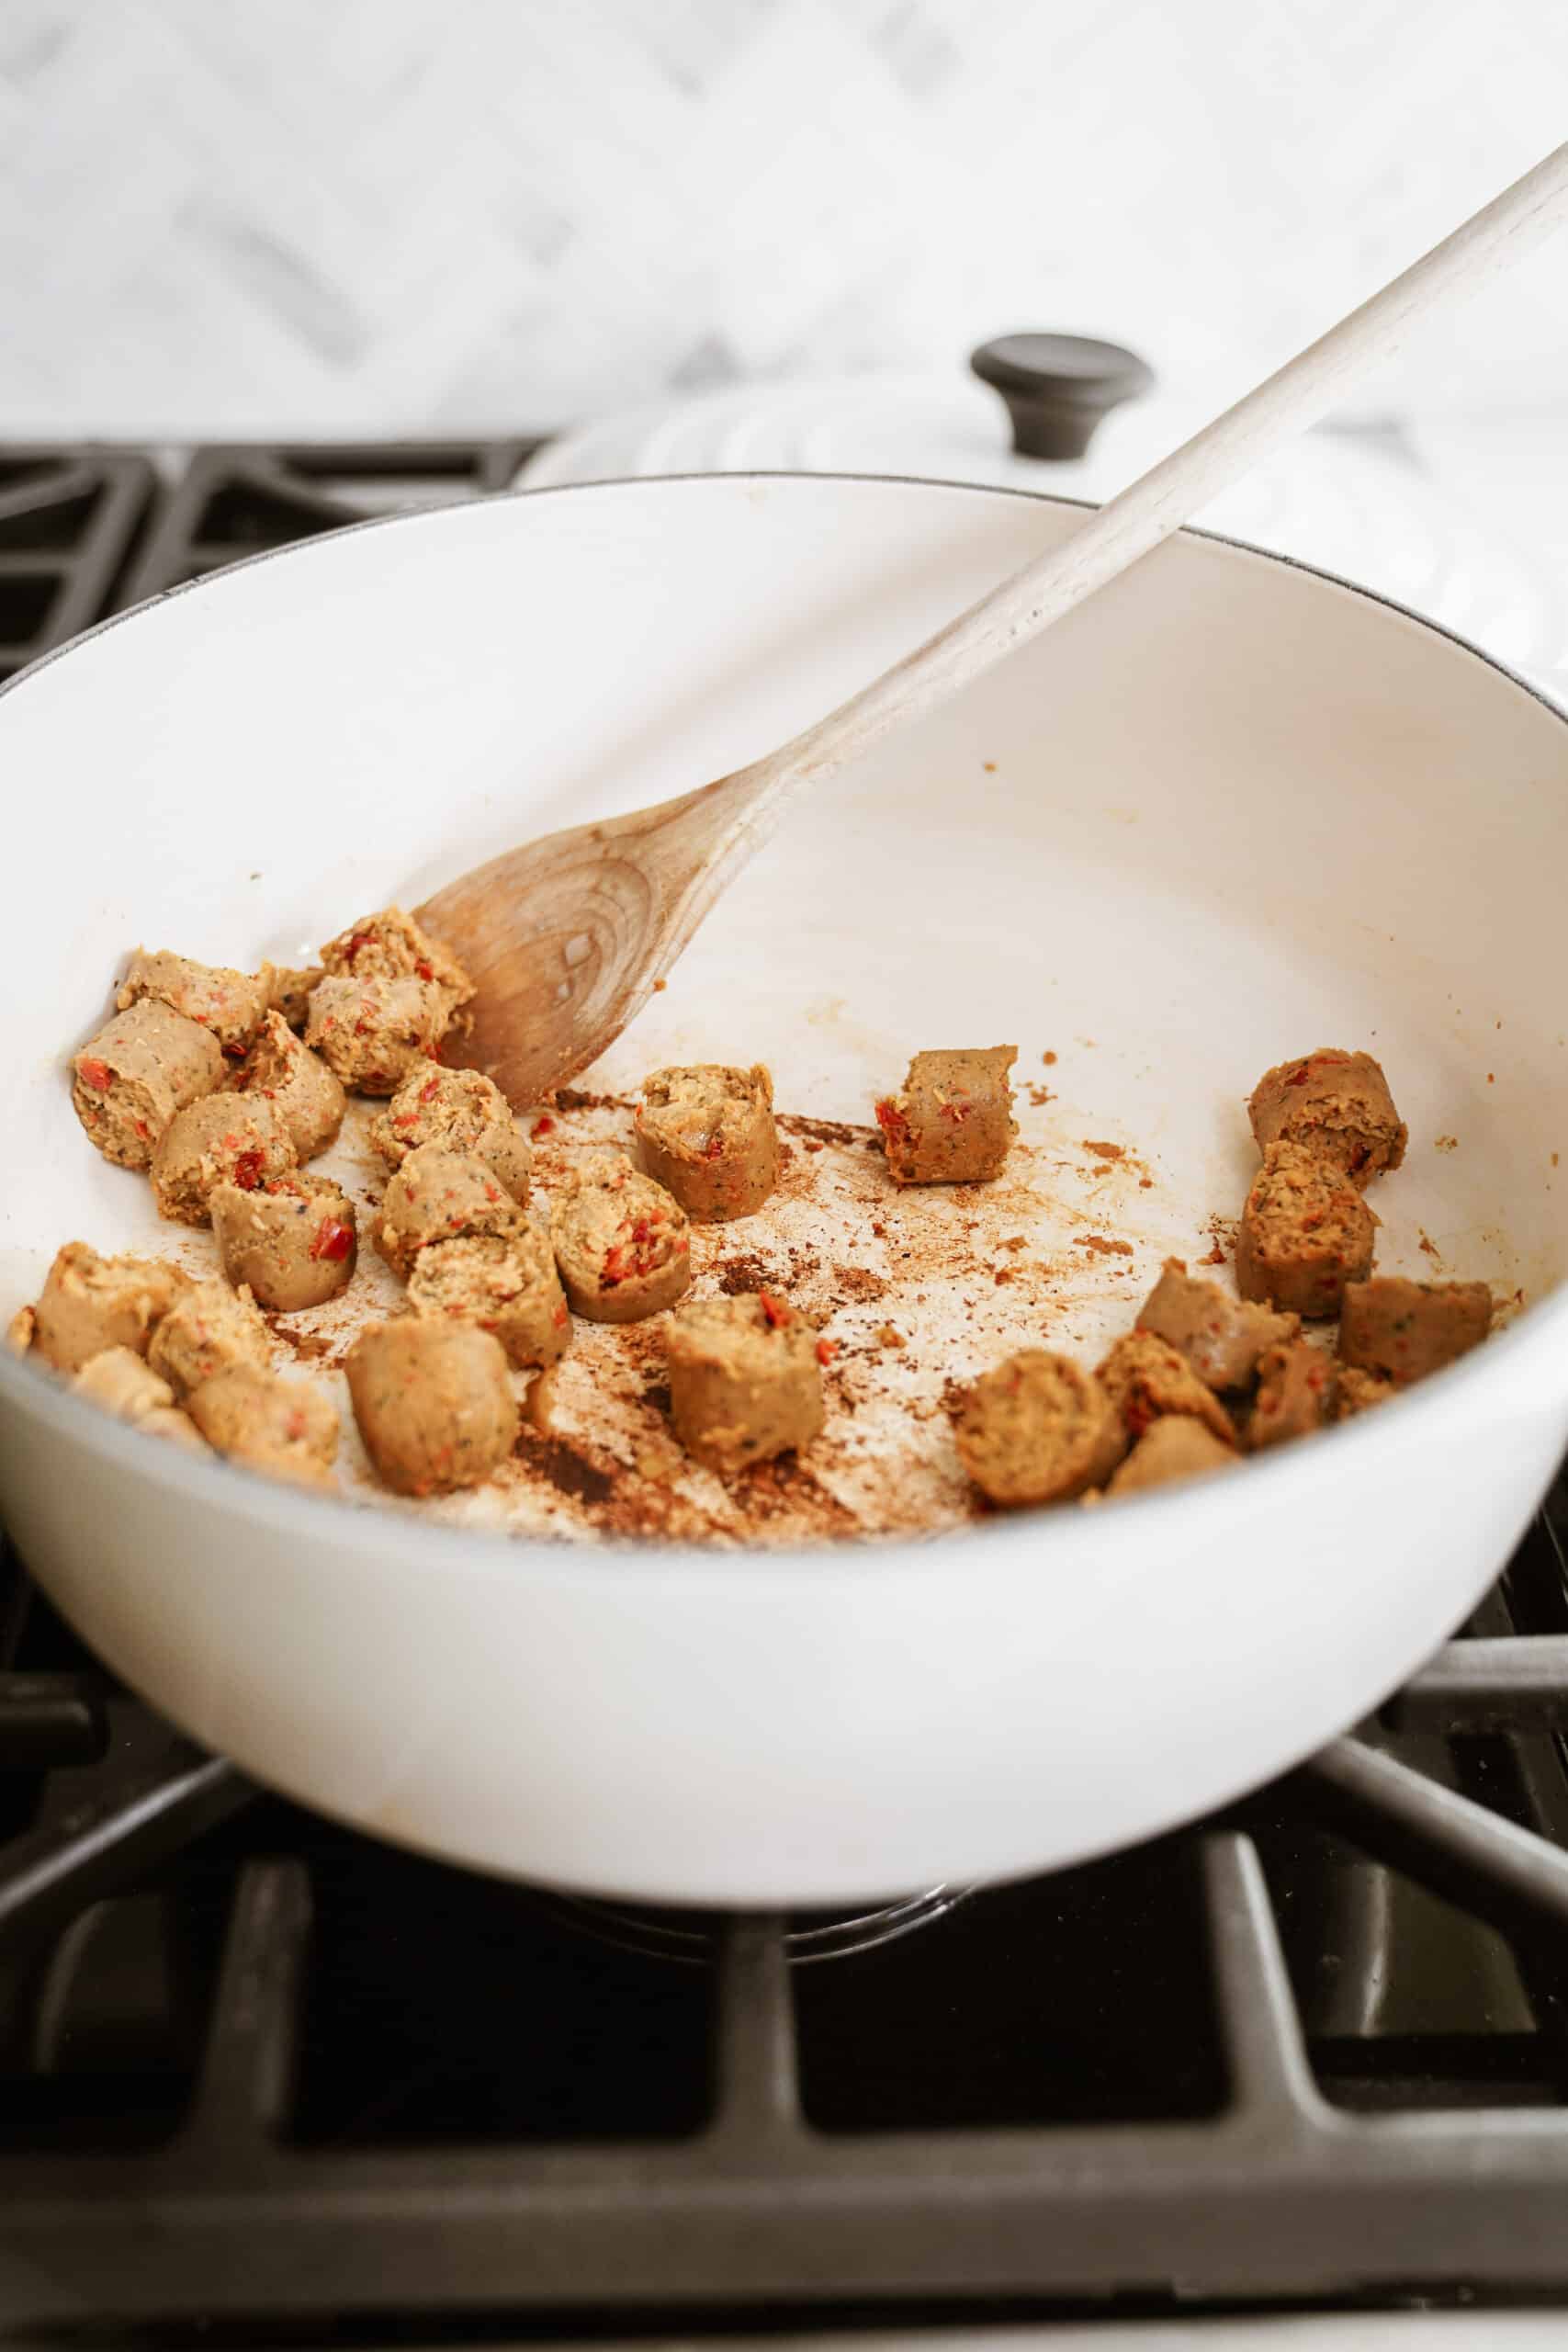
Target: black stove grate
[(259, 2072), (70, 520), (252, 2064)]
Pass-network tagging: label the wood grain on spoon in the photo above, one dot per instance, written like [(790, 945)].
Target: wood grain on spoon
[(565, 937)]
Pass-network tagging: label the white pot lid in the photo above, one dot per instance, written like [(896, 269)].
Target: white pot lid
[(1358, 505)]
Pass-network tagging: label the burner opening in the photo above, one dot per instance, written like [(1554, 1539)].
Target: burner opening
[(14, 471), (26, 601), (52, 523), (243, 515), (440, 2007), (1410, 2003), (101, 2037), (1080, 1997)]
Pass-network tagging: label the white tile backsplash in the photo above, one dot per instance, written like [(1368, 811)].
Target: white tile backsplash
[(381, 215)]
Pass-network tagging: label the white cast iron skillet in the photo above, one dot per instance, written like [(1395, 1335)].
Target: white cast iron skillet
[(1233, 810)]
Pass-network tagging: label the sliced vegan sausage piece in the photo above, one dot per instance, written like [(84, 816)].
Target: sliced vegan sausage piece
[(708, 1135), (745, 1379), (461, 1110), (1401, 1330), (141, 1069), (1038, 1429), (1222, 1338), (1174, 1447), (1145, 1378), (1295, 1387), (288, 989), (1357, 1392), (119, 1382), (391, 946), (371, 1034), (434, 1196), (952, 1123), (501, 1283), (223, 1139), (283, 1427), (209, 1330), (1334, 1103), (89, 1303), (433, 1401), (293, 1243), (621, 1241), (229, 1004), (307, 1097), (1305, 1233)]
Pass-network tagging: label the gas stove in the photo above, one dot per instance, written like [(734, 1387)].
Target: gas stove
[(263, 2079)]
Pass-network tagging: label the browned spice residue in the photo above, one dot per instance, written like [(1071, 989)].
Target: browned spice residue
[(1222, 1232), (1049, 1060), (990, 768), (567, 1098), (1106, 1150), (308, 1345), (569, 1472), (739, 1275), (1446, 1142), (859, 1284), (1431, 1248), (1102, 1247), (1039, 1095), (826, 1130)]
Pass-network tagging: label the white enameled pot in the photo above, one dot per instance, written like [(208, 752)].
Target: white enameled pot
[(1229, 812)]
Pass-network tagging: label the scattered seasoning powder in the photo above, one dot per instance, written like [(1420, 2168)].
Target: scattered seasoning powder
[(1446, 1142), (660, 985), (1049, 1060)]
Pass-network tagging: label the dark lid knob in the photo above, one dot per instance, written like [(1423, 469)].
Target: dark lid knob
[(1057, 386)]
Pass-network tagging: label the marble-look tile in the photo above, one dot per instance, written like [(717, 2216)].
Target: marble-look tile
[(496, 213)]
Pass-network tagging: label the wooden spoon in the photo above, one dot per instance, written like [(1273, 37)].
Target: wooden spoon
[(567, 937)]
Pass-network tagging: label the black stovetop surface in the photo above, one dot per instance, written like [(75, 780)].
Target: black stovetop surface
[(265, 2078)]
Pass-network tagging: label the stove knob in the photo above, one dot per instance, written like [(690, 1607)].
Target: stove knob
[(1057, 386)]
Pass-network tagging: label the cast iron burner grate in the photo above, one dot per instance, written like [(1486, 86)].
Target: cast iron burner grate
[(254, 2065), (69, 521), (260, 2074)]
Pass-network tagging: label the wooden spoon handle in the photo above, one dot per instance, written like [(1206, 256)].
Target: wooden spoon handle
[(1173, 491)]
